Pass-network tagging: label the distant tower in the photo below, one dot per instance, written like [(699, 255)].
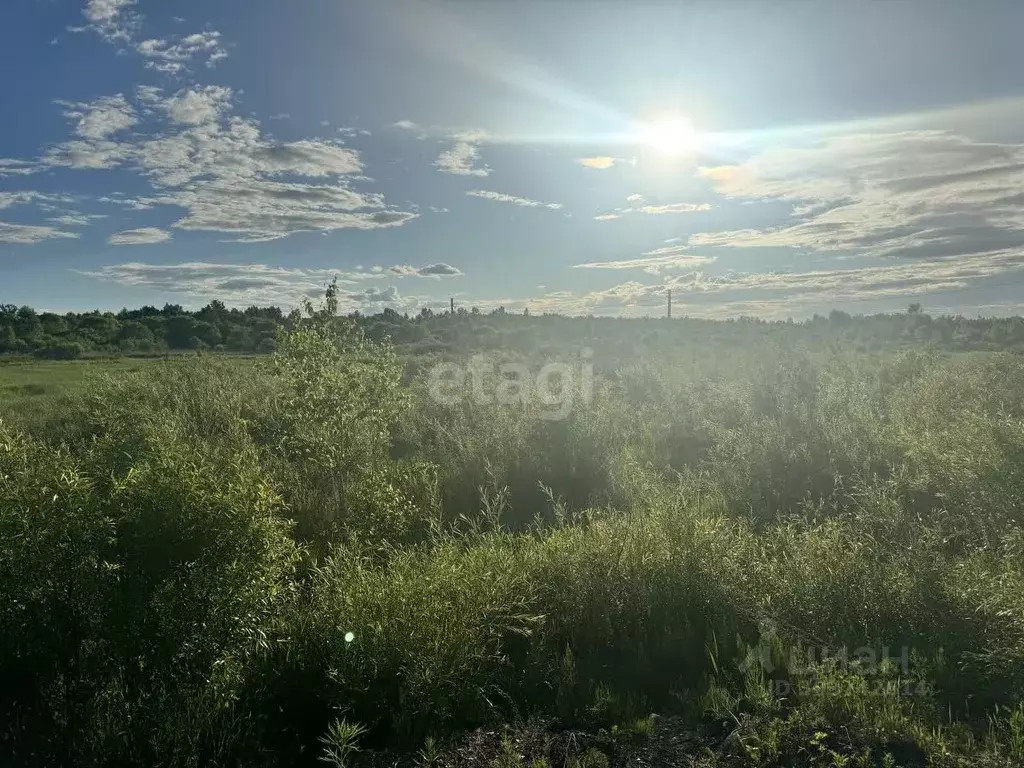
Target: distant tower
[(670, 304), (453, 304)]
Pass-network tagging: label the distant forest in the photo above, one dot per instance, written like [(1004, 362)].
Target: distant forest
[(153, 331)]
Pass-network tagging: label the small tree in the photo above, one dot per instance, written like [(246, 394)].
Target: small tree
[(340, 397)]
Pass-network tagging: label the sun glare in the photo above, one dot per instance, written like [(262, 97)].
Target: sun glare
[(671, 136)]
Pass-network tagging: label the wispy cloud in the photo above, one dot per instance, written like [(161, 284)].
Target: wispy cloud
[(461, 159), (76, 219), (102, 118), (438, 270), (198, 106), (521, 201), (221, 169), (143, 236), (22, 234), (673, 208), (28, 197), (637, 207), (246, 284), (174, 55), (914, 194), (13, 167), (672, 257), (114, 20)]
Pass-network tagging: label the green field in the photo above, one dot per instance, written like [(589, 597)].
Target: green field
[(20, 380), (31, 390), (780, 550)]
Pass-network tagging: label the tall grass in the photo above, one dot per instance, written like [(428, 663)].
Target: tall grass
[(205, 564)]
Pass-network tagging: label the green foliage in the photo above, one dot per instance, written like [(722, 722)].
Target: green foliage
[(340, 743), (207, 561)]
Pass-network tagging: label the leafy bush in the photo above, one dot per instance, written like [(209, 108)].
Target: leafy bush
[(306, 557)]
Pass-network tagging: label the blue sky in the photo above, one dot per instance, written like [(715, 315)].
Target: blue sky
[(775, 159)]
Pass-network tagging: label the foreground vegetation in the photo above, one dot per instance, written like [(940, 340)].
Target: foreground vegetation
[(769, 553)]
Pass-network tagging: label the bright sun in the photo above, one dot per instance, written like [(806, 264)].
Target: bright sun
[(671, 136)]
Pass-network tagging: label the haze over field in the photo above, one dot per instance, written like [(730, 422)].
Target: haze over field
[(760, 158)]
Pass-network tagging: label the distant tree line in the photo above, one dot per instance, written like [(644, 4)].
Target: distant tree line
[(149, 330)]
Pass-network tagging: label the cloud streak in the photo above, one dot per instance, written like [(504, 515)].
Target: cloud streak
[(915, 194), (523, 202), (22, 234), (248, 284), (144, 236), (436, 271), (653, 261)]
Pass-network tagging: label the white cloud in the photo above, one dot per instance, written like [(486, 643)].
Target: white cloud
[(148, 96), (369, 297), (672, 257), (102, 118), (172, 56), (430, 270), (920, 194), (502, 198), (461, 159), (198, 106), (906, 281), (127, 202), (238, 284), (246, 284), (776, 294), (349, 132), (12, 167), (111, 19), (651, 209), (629, 298), (105, 11), (260, 210), (21, 234), (306, 158), (224, 171), (8, 199), (795, 293), (76, 219), (143, 236), (88, 155), (673, 208)]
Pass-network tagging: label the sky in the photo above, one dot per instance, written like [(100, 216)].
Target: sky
[(767, 158)]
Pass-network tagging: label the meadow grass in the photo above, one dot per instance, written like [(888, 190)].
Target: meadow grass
[(784, 557)]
